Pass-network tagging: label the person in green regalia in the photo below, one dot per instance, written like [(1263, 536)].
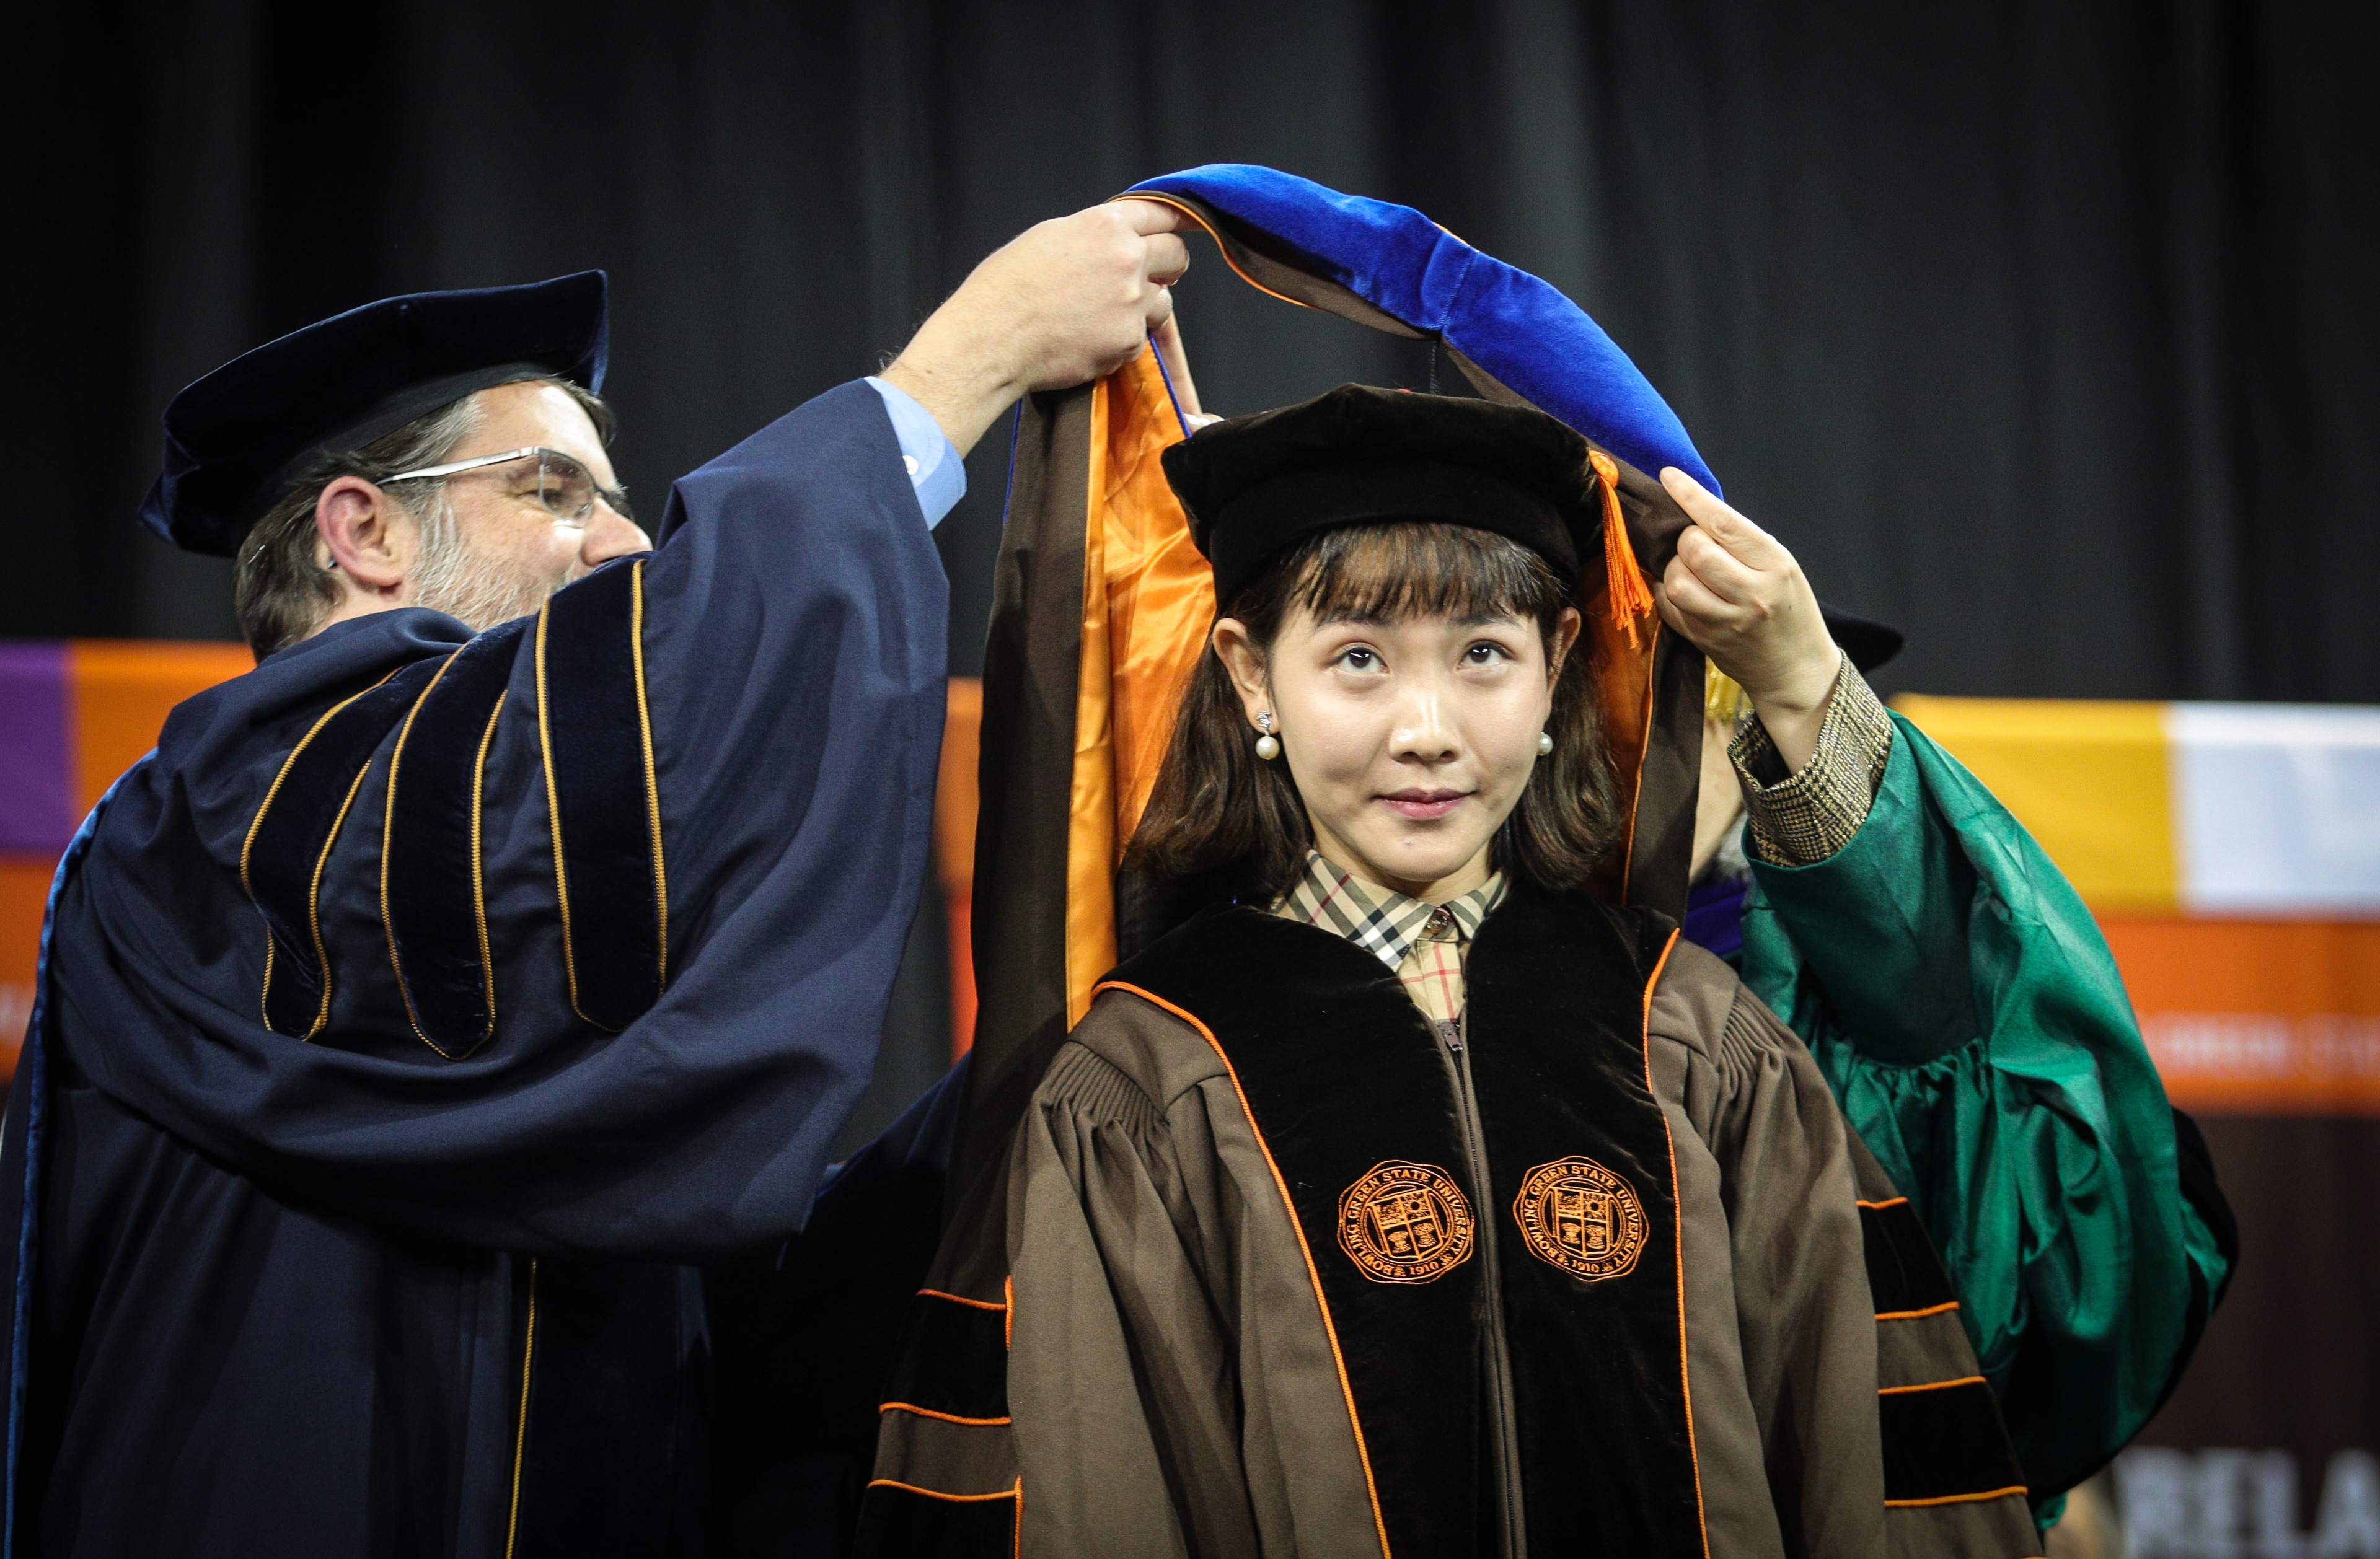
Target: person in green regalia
[(1970, 1018)]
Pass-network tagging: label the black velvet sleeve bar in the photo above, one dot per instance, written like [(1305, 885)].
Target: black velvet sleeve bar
[(289, 844), (431, 891), (597, 740)]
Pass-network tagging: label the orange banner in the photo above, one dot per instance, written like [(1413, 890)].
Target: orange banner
[(2248, 1017), (122, 691), (24, 889)]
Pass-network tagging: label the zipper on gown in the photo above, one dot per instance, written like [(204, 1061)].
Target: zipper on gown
[(1503, 1427)]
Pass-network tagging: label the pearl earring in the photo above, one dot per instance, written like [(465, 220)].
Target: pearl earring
[(1268, 746), (1544, 745)]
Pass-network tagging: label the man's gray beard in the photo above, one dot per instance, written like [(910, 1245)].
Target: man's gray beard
[(475, 590)]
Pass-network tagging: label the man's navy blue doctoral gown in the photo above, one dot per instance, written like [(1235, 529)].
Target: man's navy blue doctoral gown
[(371, 1245)]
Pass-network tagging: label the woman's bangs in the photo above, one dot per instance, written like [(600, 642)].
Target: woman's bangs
[(1399, 572)]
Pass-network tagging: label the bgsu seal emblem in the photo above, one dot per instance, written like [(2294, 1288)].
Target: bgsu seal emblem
[(1405, 1223), (1582, 1217)]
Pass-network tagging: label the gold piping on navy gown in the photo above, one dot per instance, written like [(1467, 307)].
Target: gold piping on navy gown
[(520, 1433), (601, 993), (432, 871), (479, 886), (350, 732)]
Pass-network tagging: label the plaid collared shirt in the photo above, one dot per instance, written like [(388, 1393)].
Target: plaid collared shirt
[(1424, 944)]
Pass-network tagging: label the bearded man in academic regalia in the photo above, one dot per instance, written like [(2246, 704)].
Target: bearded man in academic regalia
[(517, 932)]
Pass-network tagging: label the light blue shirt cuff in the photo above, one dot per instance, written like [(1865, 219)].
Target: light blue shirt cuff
[(935, 468)]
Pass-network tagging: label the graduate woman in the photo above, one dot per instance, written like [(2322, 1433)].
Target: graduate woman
[(1526, 1148), (1592, 1242), (1352, 1174)]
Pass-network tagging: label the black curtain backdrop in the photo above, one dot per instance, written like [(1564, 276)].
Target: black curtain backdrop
[(2045, 331)]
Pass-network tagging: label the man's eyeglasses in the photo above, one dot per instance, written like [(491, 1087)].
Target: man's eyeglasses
[(566, 489)]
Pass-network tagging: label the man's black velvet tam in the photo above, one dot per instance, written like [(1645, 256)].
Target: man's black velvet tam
[(235, 440)]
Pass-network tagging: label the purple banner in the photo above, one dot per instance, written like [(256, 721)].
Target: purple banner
[(36, 781)]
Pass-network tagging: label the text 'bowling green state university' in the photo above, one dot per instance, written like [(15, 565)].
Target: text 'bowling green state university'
[(1405, 1223), (1582, 1217)]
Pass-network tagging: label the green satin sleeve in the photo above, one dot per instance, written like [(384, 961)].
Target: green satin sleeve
[(1963, 1005)]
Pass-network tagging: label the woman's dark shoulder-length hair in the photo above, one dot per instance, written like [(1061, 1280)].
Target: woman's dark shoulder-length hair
[(1222, 817)]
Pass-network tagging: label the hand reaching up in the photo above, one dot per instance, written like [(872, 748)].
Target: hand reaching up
[(1737, 594), (1064, 302)]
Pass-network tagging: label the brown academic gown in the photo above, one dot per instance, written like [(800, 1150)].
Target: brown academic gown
[(1196, 1367)]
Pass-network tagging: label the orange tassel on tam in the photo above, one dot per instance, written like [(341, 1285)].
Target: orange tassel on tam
[(1625, 581)]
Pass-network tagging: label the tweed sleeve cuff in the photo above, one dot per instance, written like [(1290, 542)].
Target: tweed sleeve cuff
[(1801, 819)]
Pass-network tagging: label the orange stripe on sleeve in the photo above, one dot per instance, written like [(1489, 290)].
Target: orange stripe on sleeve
[(961, 1299), (1914, 1314), (930, 1413), (1957, 1499), (1928, 1385), (1016, 1493)]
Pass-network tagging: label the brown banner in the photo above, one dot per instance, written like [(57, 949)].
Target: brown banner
[(2270, 1449)]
